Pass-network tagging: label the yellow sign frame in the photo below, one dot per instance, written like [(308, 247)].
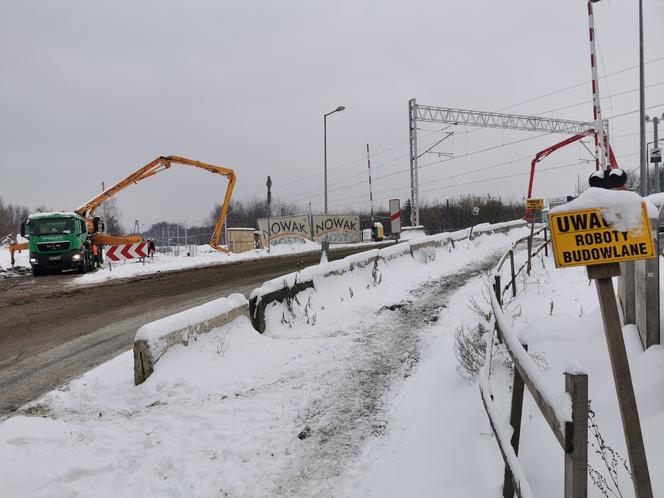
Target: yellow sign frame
[(584, 238), (535, 203)]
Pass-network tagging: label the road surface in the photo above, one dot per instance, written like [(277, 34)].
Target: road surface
[(51, 332)]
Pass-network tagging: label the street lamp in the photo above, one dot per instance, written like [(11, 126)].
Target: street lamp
[(338, 109)]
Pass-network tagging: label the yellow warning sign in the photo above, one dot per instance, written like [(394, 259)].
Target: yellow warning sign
[(583, 238), (534, 203)]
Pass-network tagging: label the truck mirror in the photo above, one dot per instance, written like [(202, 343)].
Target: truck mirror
[(95, 224), (22, 229), (84, 227)]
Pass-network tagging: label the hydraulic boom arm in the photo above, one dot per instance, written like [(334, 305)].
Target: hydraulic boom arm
[(160, 164)]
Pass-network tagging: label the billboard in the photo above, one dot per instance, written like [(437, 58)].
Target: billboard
[(285, 229), (336, 228)]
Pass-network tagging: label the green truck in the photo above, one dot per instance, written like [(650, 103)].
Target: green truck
[(58, 241)]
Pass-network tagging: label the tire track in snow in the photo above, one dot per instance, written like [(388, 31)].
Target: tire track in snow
[(350, 410)]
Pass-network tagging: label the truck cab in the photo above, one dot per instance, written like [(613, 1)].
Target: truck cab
[(56, 242)]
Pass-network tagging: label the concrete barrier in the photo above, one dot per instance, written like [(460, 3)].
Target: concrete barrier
[(288, 286), (155, 338)]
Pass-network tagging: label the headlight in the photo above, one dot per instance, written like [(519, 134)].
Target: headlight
[(33, 260), (76, 257)]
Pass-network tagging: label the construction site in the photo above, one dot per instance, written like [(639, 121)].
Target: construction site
[(384, 298)]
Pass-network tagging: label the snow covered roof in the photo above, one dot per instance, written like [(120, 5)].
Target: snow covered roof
[(52, 214)]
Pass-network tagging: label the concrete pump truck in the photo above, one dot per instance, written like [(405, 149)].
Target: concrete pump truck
[(75, 240)]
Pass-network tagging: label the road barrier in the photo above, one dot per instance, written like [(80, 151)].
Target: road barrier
[(288, 286), (567, 418), (154, 339), (127, 251)]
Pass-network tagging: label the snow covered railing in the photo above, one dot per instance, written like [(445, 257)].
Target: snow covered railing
[(288, 286), (566, 413), (155, 338)]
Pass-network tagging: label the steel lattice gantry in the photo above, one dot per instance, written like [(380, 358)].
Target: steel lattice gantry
[(446, 115)]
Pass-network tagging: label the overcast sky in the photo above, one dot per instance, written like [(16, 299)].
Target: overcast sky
[(90, 91)]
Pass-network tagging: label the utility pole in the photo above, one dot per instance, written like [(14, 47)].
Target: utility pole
[(370, 188), (269, 200), (412, 135), (642, 109)]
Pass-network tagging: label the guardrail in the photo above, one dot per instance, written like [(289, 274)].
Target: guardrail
[(154, 339), (288, 286), (566, 413)]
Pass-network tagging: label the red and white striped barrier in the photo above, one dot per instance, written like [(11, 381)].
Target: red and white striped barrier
[(395, 216), (127, 251)]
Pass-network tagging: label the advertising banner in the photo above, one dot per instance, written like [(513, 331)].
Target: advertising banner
[(336, 228), (285, 229)]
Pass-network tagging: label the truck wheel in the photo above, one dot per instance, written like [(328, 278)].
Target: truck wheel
[(37, 272), (84, 265)]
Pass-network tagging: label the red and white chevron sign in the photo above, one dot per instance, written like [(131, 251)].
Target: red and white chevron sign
[(127, 251)]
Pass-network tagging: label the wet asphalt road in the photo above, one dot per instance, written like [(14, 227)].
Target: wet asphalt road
[(52, 332)]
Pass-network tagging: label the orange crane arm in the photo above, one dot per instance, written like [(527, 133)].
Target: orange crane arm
[(160, 164)]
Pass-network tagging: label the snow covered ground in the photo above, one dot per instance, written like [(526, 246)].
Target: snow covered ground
[(352, 391), (241, 414), (557, 312)]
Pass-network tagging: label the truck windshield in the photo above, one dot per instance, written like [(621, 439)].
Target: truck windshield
[(51, 226)]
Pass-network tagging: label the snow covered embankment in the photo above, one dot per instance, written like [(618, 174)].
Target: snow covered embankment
[(557, 314), (288, 286), (237, 413), (153, 339)]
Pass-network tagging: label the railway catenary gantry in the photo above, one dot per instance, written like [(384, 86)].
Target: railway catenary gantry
[(481, 119)]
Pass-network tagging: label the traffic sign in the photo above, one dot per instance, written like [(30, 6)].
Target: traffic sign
[(534, 203), (582, 238), (656, 155), (395, 216), (127, 251)]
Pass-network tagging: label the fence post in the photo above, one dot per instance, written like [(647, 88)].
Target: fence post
[(530, 239), (516, 410), (496, 287), (576, 437), (513, 274)]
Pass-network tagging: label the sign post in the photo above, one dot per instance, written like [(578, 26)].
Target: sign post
[(584, 238), (395, 217), (532, 206)]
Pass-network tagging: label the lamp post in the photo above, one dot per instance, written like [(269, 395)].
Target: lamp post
[(338, 109)]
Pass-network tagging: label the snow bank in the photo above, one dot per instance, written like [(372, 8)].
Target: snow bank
[(205, 256), (153, 339), (620, 208), (237, 413), (289, 285)]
